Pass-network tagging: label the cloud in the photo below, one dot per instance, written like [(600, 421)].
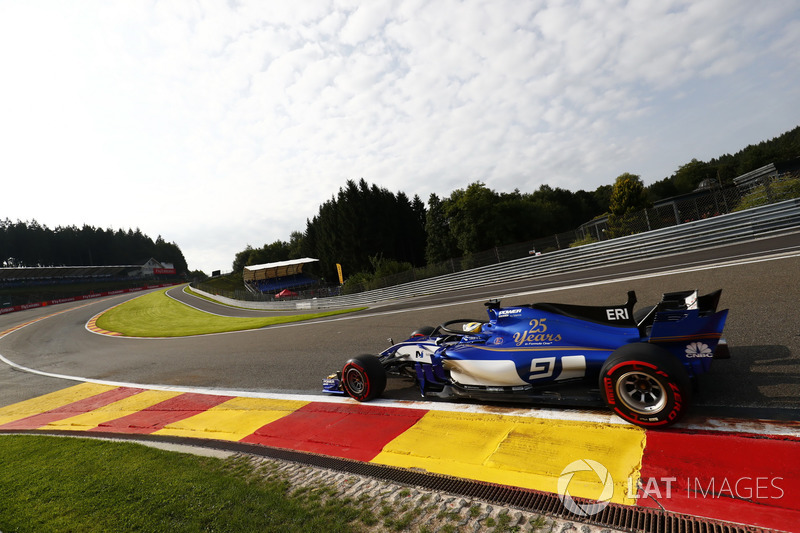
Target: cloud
[(247, 116)]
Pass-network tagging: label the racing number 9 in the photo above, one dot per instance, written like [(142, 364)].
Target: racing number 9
[(542, 368)]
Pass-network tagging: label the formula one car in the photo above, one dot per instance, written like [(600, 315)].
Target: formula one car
[(640, 364)]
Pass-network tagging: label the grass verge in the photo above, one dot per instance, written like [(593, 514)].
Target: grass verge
[(156, 315), (67, 484), (52, 484)]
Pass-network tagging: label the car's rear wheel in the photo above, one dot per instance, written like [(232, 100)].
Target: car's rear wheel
[(363, 377), (645, 385)]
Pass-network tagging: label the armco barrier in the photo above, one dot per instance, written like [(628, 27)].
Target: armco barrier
[(765, 221), (92, 296)]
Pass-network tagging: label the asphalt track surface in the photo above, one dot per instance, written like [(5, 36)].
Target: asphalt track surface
[(760, 281)]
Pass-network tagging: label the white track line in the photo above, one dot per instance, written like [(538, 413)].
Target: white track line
[(762, 427)]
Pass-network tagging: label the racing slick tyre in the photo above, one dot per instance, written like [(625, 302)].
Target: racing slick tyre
[(363, 378), (645, 385)]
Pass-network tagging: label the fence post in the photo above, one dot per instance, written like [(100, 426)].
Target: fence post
[(768, 188)]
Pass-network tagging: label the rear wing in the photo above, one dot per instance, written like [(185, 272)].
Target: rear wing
[(684, 317), (681, 300)]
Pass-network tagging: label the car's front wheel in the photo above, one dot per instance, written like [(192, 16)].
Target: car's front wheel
[(363, 377), (645, 385)]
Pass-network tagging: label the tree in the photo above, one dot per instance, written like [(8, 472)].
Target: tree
[(689, 176), (364, 221), (662, 189), (296, 245), (31, 244), (269, 253), (628, 197), (440, 244), (470, 213), (168, 252)]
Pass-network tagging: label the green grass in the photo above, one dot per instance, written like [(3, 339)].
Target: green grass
[(66, 484), (588, 239), (776, 191), (156, 315)]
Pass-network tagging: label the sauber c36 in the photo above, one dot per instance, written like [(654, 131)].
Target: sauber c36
[(640, 364)]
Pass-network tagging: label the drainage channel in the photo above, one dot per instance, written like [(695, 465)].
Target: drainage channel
[(616, 516)]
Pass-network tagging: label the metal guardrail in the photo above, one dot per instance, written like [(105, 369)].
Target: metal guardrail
[(740, 226)]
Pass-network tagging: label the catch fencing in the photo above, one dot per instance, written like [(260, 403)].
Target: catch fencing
[(699, 205), (739, 226)]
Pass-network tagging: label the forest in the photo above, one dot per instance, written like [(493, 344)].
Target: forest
[(371, 231), (29, 244)]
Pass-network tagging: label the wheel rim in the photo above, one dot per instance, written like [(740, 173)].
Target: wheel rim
[(355, 382), (641, 392)]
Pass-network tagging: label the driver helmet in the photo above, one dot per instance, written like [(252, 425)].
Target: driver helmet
[(472, 327)]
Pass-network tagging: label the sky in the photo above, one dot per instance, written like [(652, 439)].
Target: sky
[(222, 124)]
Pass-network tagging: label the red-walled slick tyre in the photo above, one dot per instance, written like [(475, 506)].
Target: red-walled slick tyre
[(645, 385), (363, 378)]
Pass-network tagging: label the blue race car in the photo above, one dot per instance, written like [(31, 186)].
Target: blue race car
[(640, 364)]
